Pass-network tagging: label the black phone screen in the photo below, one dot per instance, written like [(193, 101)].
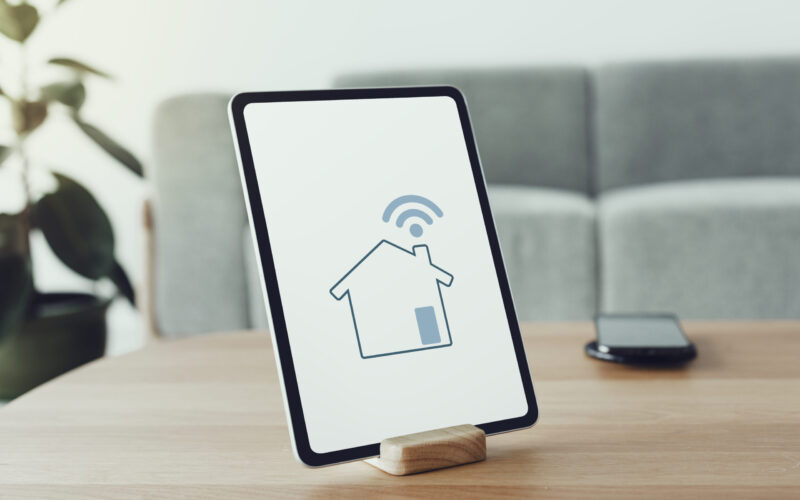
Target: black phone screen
[(654, 331)]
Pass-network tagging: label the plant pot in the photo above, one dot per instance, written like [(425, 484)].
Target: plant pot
[(64, 331)]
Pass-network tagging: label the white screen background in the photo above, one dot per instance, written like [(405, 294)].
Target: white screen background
[(327, 170)]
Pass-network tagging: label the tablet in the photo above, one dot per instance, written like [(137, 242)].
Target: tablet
[(388, 302)]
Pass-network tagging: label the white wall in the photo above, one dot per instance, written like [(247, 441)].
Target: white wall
[(157, 48)]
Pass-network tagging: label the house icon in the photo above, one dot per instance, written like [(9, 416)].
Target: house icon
[(395, 299)]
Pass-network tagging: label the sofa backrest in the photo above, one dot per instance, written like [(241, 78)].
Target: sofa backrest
[(670, 121), (199, 216), (650, 122), (530, 123)]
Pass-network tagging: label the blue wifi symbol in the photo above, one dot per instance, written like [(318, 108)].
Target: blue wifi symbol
[(415, 228)]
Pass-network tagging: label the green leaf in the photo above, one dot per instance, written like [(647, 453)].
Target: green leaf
[(110, 146), (76, 228), (28, 115), (17, 22), (72, 94), (16, 283), (78, 66), (120, 279), (5, 152)]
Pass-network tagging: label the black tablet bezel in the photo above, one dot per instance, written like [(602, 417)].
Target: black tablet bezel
[(250, 183)]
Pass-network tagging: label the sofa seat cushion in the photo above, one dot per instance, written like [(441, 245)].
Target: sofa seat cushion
[(548, 244), (256, 302), (703, 249)]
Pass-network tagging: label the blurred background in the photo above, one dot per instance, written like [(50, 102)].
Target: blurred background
[(156, 50)]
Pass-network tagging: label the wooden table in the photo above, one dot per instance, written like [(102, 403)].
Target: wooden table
[(203, 418)]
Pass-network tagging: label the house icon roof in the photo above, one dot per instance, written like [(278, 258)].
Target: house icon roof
[(419, 251), (396, 300)]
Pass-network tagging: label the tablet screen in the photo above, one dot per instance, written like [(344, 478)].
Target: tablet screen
[(392, 304)]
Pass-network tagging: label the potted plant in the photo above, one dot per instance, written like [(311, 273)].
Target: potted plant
[(45, 334)]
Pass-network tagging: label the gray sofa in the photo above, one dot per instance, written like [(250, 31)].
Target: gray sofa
[(629, 187)]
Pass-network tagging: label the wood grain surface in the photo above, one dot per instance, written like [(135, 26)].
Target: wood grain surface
[(431, 450), (203, 418)]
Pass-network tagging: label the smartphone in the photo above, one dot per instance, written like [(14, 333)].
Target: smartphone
[(640, 338)]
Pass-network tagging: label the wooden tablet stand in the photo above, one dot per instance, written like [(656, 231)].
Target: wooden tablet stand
[(431, 450)]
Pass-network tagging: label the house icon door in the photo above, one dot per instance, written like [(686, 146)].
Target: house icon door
[(396, 302)]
